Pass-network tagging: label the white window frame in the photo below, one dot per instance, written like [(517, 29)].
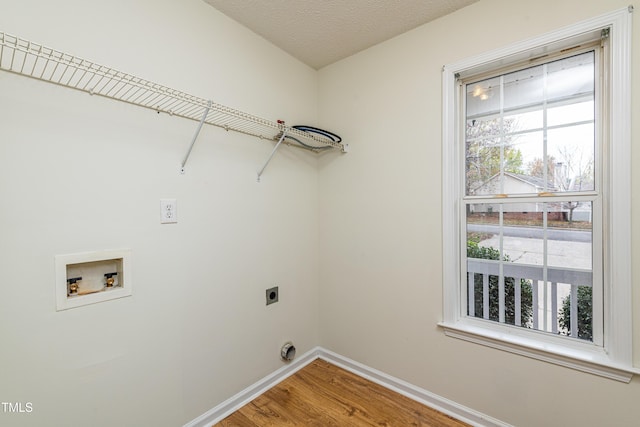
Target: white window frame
[(614, 358)]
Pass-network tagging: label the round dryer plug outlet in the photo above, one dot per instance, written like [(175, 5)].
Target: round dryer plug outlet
[(288, 352)]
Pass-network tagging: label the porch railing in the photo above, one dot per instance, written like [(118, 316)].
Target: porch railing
[(535, 275)]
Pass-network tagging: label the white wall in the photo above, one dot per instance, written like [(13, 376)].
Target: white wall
[(81, 173), (380, 216)]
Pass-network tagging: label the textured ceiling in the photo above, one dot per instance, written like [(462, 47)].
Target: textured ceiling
[(320, 32)]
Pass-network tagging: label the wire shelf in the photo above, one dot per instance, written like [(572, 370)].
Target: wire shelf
[(34, 60)]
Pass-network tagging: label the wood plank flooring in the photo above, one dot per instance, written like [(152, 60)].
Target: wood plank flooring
[(322, 394)]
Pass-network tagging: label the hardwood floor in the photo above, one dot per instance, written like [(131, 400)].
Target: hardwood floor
[(322, 394)]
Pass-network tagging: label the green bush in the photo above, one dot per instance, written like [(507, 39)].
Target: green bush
[(585, 313), (526, 293)]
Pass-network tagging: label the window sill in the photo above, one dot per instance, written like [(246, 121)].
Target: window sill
[(579, 356)]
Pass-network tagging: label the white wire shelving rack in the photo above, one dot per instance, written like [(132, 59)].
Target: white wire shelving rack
[(34, 60)]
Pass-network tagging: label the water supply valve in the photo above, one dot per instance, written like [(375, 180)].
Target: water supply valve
[(72, 284), (109, 279)]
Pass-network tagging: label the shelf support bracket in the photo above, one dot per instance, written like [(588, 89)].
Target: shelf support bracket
[(195, 136), (284, 133)]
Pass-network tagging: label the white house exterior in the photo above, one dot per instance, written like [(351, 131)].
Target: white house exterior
[(511, 183)]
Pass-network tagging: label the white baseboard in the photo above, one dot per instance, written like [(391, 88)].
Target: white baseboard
[(418, 394)]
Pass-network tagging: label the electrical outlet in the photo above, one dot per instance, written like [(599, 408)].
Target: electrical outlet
[(272, 295), (168, 211)]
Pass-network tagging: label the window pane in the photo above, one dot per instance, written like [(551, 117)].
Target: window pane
[(483, 225), (483, 98), (525, 121), (569, 235), (571, 77), (571, 157), (571, 114), (524, 88), (482, 163)]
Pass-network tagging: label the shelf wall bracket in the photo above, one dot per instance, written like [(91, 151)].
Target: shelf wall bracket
[(195, 136), (261, 171)]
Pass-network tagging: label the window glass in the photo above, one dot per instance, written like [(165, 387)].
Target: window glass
[(483, 98), (524, 88), (570, 113), (570, 77), (531, 133), (571, 157)]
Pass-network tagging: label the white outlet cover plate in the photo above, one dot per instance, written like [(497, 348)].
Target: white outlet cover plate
[(168, 211)]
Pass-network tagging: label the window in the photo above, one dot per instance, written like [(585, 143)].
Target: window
[(536, 144)]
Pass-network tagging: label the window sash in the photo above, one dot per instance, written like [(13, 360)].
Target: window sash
[(537, 272), (543, 105), (593, 197)]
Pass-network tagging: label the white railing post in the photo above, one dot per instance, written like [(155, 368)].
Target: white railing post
[(471, 294), (517, 291), (485, 296), (574, 310), (501, 304), (534, 292), (554, 307)]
